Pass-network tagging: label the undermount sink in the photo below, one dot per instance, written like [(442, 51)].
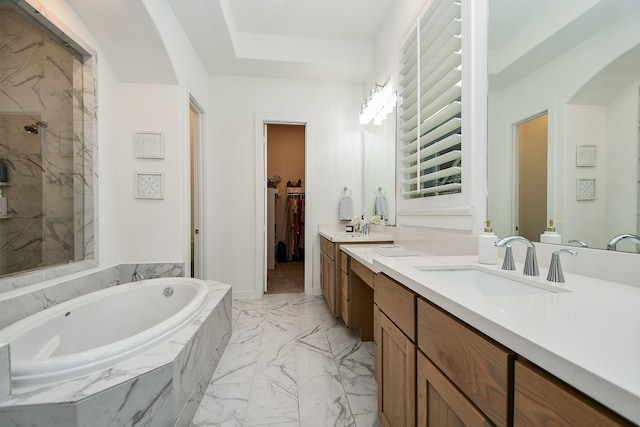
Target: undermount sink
[(490, 283)]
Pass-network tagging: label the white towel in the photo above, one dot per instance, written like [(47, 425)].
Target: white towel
[(381, 207), (346, 208)]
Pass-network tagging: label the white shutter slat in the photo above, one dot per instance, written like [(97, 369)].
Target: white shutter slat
[(451, 156), (444, 144)]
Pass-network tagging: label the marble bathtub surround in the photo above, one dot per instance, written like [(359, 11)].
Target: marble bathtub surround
[(50, 87), (161, 387), (290, 363), (26, 300)]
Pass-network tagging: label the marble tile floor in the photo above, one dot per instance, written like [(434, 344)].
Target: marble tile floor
[(289, 363)]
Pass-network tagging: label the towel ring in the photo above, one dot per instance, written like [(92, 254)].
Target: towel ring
[(382, 191), (345, 190)]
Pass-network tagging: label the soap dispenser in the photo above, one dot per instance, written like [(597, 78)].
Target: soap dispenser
[(487, 250), (551, 236)]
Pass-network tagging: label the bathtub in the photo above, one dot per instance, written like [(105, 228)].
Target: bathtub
[(100, 329)]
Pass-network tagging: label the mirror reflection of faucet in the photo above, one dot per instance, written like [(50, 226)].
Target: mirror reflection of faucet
[(579, 242), (612, 245)]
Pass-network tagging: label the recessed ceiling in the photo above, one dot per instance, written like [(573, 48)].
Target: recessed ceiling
[(317, 39), (302, 39)]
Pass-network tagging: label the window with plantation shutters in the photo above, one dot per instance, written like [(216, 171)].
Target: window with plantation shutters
[(430, 138)]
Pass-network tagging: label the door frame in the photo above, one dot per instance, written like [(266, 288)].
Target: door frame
[(199, 202), (261, 120)]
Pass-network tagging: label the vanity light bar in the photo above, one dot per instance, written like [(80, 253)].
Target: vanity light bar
[(379, 103)]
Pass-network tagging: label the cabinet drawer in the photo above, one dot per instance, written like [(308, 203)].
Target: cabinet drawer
[(479, 367), (363, 272), (541, 399), (328, 247), (397, 302), (344, 262)]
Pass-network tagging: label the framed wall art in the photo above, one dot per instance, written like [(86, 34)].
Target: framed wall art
[(149, 145), (149, 185)]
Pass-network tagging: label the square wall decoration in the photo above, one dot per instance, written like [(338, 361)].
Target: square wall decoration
[(149, 145), (149, 185), (586, 156), (585, 189)]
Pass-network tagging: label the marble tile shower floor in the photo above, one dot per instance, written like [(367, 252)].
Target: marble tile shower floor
[(290, 363)]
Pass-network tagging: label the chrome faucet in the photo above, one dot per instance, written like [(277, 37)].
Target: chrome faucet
[(555, 269), (136, 276), (530, 260), (579, 242), (614, 241), (363, 227)]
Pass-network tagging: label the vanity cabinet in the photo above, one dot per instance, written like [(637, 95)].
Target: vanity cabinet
[(465, 372), (542, 399), (331, 273), (432, 369), (394, 330)]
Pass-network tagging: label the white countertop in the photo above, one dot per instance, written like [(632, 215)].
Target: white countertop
[(344, 237), (588, 337)]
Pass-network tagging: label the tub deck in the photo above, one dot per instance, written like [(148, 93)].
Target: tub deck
[(160, 372)]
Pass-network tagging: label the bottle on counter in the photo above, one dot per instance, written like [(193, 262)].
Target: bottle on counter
[(551, 236)]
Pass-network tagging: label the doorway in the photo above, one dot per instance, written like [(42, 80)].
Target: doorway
[(196, 143), (531, 207), (285, 166)]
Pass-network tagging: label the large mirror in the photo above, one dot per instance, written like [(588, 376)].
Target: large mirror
[(46, 127), (563, 130), (379, 168)]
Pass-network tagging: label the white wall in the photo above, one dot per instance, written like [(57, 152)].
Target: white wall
[(334, 160), (148, 230)]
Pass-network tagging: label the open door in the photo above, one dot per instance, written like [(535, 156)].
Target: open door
[(196, 139), (531, 208)]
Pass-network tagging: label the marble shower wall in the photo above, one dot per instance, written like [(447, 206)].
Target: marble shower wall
[(21, 232), (40, 81)]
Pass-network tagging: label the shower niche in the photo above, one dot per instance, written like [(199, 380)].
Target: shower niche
[(46, 143)]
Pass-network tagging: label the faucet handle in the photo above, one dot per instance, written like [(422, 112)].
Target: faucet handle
[(555, 269), (508, 263), (531, 262)]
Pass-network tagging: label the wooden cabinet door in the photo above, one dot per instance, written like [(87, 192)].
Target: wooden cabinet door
[(541, 399), (478, 366), (440, 403), (329, 281), (396, 374)]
